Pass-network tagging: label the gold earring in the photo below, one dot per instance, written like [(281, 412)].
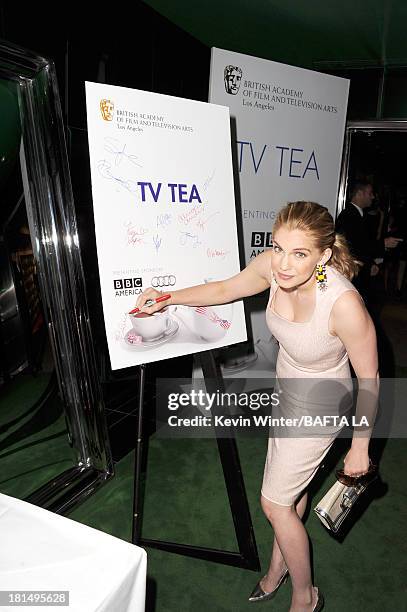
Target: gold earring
[(320, 275)]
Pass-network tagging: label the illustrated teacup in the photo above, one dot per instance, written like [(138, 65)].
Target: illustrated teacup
[(209, 324), (151, 327)]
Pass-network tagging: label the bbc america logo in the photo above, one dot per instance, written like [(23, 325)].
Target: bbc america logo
[(127, 286), (168, 280), (261, 239), (127, 283)]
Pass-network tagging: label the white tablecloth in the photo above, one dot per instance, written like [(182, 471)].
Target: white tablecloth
[(40, 550)]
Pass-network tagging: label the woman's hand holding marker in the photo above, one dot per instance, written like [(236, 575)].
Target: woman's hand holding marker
[(151, 301)]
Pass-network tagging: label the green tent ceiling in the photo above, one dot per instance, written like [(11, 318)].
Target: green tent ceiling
[(298, 32)]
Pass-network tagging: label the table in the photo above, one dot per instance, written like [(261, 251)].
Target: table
[(43, 551)]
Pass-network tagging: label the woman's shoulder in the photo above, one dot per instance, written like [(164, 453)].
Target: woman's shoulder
[(338, 284), (344, 300), (337, 281), (262, 264)]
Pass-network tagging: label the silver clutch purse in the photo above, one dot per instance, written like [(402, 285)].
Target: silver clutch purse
[(336, 504)]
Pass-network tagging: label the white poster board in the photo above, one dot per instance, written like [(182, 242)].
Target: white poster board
[(164, 211), (288, 136)]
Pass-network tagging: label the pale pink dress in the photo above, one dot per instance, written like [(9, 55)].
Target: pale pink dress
[(307, 350)]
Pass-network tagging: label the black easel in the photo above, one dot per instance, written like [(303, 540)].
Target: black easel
[(247, 557)]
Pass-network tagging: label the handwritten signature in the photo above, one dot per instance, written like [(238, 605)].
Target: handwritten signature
[(208, 181), (164, 220), (135, 234), (201, 223), (189, 216), (157, 242), (187, 239), (105, 170), (117, 149), (211, 253)]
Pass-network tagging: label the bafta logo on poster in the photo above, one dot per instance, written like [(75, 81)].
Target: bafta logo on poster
[(233, 76), (107, 109)]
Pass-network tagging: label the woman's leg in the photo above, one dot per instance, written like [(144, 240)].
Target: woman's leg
[(277, 563), (293, 542)]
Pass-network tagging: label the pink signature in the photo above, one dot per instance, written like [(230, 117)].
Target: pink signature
[(211, 253), (190, 215), (201, 223), (135, 234)]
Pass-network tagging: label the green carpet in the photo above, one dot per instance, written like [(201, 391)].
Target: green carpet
[(185, 501), (33, 439)]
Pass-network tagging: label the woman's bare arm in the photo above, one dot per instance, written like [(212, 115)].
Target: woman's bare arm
[(254, 279), (351, 322)]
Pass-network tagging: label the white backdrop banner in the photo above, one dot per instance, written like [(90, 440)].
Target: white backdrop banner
[(288, 126), (162, 186)]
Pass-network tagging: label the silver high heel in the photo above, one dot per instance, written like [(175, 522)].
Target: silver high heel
[(259, 595), (320, 602)]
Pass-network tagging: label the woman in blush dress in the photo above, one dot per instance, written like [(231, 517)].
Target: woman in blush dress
[(320, 322)]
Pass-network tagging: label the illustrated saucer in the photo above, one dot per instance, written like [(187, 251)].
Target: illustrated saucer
[(169, 333)]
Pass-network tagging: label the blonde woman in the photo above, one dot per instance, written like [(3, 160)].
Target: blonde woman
[(320, 322)]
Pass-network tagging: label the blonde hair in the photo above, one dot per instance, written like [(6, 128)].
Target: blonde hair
[(316, 220)]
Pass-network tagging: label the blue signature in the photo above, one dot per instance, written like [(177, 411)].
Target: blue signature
[(163, 220), (105, 170), (187, 239), (157, 242), (208, 181), (115, 147)]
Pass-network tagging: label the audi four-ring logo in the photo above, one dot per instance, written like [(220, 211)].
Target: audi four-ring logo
[(168, 280)]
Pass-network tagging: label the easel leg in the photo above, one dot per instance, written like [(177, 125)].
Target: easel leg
[(138, 458), (232, 471), (247, 556)]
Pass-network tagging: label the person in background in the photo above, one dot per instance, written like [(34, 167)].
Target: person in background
[(401, 272), (395, 259), (364, 246)]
